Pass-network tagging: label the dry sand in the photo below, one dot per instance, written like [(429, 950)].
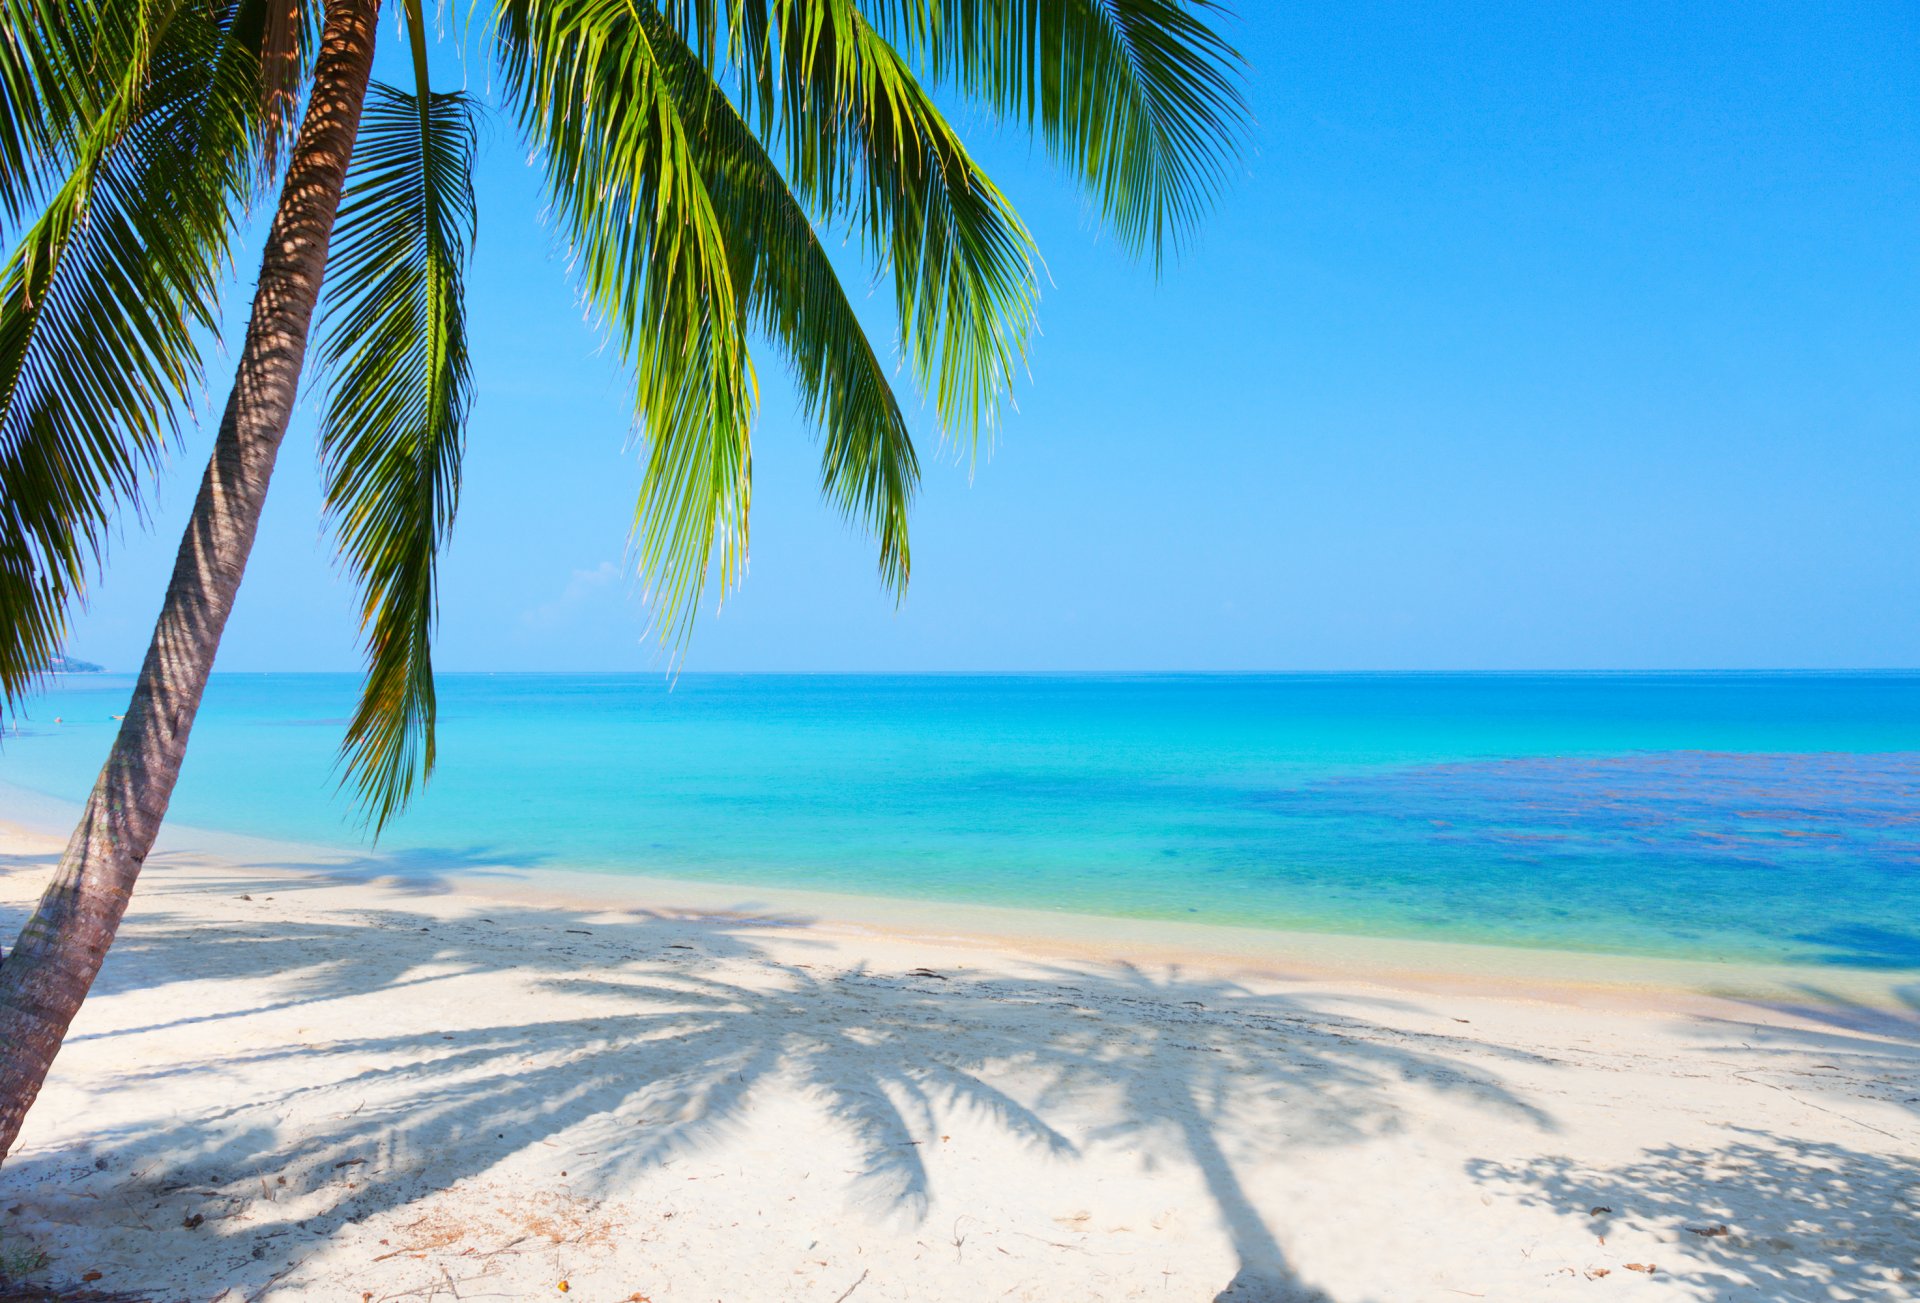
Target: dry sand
[(309, 1085)]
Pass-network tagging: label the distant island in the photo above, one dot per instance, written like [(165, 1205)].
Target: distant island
[(69, 665)]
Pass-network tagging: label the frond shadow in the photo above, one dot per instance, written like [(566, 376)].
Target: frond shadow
[(1767, 1216), (675, 1053), (1251, 1061), (414, 870), (11, 864), (1866, 1051)]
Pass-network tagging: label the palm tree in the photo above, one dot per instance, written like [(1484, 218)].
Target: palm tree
[(695, 151)]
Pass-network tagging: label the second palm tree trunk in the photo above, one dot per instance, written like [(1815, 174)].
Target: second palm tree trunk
[(47, 974)]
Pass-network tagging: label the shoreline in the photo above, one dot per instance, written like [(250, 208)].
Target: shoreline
[(1593, 979)]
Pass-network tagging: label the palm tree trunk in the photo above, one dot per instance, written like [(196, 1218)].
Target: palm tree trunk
[(45, 978)]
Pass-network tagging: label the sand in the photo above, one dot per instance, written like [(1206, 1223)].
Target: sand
[(327, 1084)]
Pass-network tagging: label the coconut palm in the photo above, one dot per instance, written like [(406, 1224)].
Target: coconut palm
[(696, 153)]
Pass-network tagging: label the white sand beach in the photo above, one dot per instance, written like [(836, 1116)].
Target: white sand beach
[(311, 1085)]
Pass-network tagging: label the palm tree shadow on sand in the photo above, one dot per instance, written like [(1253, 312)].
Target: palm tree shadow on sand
[(1839, 1047), (1763, 1216), (1248, 1062), (412, 871), (35, 865), (1783, 1217), (675, 1054)]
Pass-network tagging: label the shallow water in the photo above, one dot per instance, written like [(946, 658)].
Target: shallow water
[(1748, 817)]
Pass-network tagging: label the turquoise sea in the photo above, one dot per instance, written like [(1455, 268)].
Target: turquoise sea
[(1749, 817)]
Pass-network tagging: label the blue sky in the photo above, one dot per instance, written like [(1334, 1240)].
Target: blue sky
[(1527, 336)]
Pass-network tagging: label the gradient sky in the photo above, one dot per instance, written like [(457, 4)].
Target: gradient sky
[(1527, 336)]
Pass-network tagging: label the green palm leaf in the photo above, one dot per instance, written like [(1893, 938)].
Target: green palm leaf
[(862, 144), (794, 297), (661, 204), (1141, 98), (64, 62), (588, 82), (398, 390), (101, 304), (50, 86), (863, 139)]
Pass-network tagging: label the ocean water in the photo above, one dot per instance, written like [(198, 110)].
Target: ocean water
[(1744, 817)]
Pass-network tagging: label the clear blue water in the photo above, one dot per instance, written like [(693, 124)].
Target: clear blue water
[(1744, 817)]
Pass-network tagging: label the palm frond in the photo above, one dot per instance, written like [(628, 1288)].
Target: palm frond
[(651, 256), (795, 297), (678, 227), (63, 61), (864, 141), (52, 53), (1141, 98), (690, 197), (393, 428), (100, 306)]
